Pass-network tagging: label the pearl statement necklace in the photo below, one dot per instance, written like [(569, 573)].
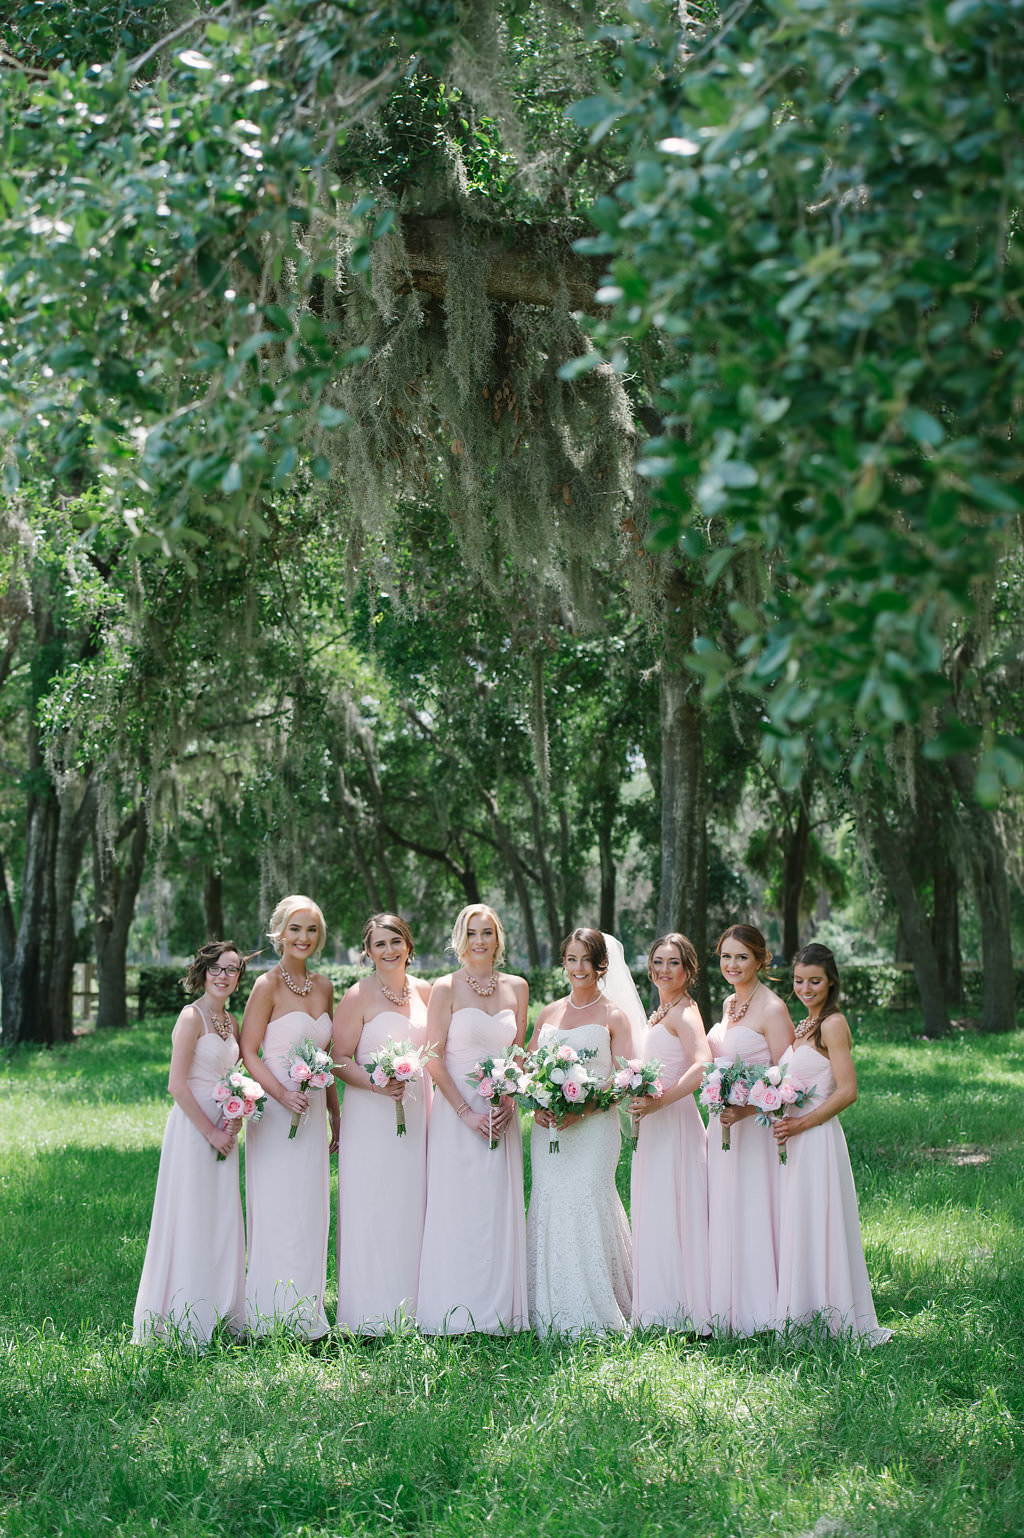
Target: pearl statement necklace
[(298, 988), (219, 1021), (737, 1011), (588, 1005), (658, 1015), (809, 1026), (400, 999), (482, 990)]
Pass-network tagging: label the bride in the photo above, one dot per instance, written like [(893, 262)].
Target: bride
[(579, 1269)]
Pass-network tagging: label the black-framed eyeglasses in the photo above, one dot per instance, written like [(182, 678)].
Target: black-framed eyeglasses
[(216, 968)]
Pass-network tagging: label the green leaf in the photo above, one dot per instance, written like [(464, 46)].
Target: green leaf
[(922, 426)]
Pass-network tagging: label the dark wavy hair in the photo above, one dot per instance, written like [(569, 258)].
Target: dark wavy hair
[(752, 938), (820, 956), (397, 926), (194, 980), (687, 955), (592, 941)]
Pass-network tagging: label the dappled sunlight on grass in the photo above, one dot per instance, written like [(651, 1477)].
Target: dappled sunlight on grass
[(649, 1435)]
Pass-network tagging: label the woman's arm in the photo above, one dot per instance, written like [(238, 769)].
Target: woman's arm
[(254, 1028), (187, 1030), (838, 1043)]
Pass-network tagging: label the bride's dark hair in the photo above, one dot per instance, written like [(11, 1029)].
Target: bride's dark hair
[(592, 941)]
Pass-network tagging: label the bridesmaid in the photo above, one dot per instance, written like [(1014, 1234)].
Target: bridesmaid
[(194, 1273), (822, 1275), (287, 1185), (379, 1262), (473, 1269), (578, 1246), (743, 1183), (669, 1196)]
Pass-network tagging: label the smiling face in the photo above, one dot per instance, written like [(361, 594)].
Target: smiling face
[(811, 986), (481, 940), (220, 984), (579, 968), (668, 970), (387, 949), (300, 937), (738, 963)]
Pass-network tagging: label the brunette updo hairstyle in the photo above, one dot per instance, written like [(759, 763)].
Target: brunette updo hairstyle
[(459, 942), (397, 926), (820, 956), (207, 956), (752, 938), (687, 955), (283, 912), (592, 941)]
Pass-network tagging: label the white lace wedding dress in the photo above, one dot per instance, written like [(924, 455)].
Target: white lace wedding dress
[(579, 1266)]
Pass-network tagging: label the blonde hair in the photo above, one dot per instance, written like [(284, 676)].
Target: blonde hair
[(282, 914), (460, 940)]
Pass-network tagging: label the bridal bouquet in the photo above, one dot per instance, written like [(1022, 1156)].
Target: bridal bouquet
[(556, 1080), (239, 1097), (726, 1082), (493, 1077), (637, 1079), (397, 1061), (309, 1067), (771, 1092)]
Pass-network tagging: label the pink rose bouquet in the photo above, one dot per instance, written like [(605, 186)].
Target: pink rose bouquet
[(555, 1079), (726, 1082), (772, 1092), (399, 1062), (238, 1097), (493, 1078), (636, 1079), (309, 1067)]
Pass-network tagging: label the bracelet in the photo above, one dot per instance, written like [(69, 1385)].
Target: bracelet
[(463, 1108)]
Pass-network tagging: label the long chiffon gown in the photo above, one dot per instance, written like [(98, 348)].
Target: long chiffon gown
[(287, 1196), (823, 1280), (743, 1204), (669, 1203), (473, 1266), (194, 1273), (382, 1191), (579, 1266)]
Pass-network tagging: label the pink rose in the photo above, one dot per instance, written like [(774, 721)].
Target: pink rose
[(771, 1099), (773, 1074), (220, 1092), (788, 1092), (566, 1053), (300, 1072), (379, 1077), (622, 1079), (248, 1107), (635, 1063), (739, 1094), (711, 1094), (404, 1068), (233, 1106), (485, 1088), (319, 1080), (572, 1091), (657, 1088)]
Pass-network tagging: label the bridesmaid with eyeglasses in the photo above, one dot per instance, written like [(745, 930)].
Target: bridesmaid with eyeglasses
[(193, 1277)]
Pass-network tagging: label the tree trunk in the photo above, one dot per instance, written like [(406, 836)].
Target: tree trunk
[(606, 859), (891, 856), (213, 902), (544, 870), (794, 870), (115, 891), (946, 921), (682, 902), (992, 895), (514, 864)]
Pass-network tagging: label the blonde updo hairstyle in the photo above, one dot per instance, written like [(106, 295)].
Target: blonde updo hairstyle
[(459, 942), (397, 926), (281, 917), (687, 955)]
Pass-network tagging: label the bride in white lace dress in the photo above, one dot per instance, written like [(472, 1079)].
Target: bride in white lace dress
[(579, 1266)]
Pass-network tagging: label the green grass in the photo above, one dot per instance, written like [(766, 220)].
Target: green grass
[(644, 1436)]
